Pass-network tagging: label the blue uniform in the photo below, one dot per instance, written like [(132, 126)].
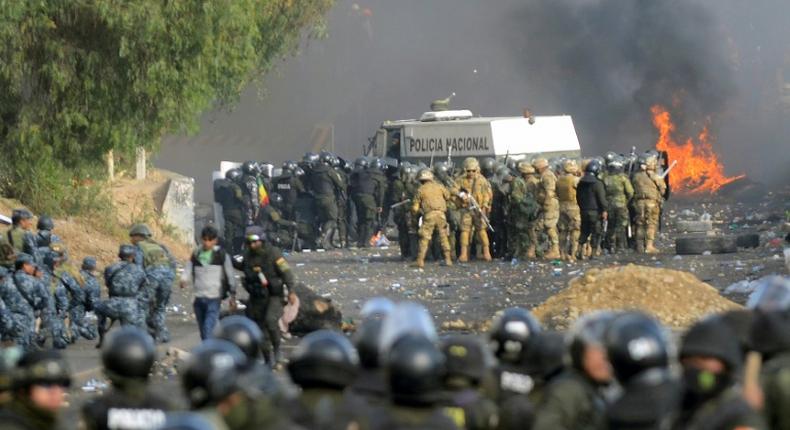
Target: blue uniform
[(45, 305), (159, 267), (124, 282), (58, 307), (92, 289), (21, 313), (77, 303)]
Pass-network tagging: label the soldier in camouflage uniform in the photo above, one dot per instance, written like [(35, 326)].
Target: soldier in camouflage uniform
[(649, 190), (472, 185), (403, 188), (125, 282), (523, 212), (249, 184), (547, 197), (19, 310), (326, 185), (92, 287), (32, 284), (20, 236), (569, 225), (619, 193), (159, 267), (443, 174), (430, 202)]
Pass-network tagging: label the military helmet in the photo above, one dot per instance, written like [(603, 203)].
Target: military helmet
[(42, 368), (249, 167), (45, 223), (337, 161), (128, 352), (712, 337), (441, 167), (487, 166), (242, 332), (298, 172), (185, 421), (570, 166), (594, 167), (540, 163), (471, 163), (525, 167), (125, 251), (616, 164), (425, 175), (213, 372), (289, 166), (326, 157), (465, 357), (234, 174), (140, 230), (324, 358), (20, 214), (512, 164), (610, 156), (416, 370), (378, 164), (545, 355), (89, 263), (589, 330), (266, 169), (635, 343), (651, 159), (511, 334), (361, 163)]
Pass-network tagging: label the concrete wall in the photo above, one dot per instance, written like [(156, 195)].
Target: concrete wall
[(178, 207)]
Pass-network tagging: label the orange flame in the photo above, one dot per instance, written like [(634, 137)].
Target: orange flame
[(698, 167)]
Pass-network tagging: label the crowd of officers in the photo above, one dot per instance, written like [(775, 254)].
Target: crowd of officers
[(555, 209), (610, 370)]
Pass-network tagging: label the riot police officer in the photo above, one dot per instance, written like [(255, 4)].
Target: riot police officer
[(326, 185), (370, 383), (591, 196), (127, 357), (159, 266), (249, 184), (229, 194), (127, 301), (41, 380)]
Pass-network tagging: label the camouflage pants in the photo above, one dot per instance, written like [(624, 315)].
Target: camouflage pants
[(52, 326), (121, 309), (433, 221), (266, 312), (18, 328), (78, 325), (646, 219), (550, 217), (617, 227), (520, 239), (160, 284), (569, 226)]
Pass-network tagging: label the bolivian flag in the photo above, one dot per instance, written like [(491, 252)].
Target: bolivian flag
[(263, 196)]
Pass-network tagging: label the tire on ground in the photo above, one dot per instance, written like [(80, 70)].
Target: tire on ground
[(697, 245), (748, 240)]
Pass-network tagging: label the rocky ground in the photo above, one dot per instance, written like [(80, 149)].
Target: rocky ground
[(465, 297)]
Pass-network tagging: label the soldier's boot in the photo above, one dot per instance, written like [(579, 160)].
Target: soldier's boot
[(420, 262), (102, 329), (650, 241), (464, 256), (574, 250), (448, 257), (485, 244), (554, 251), (531, 251)]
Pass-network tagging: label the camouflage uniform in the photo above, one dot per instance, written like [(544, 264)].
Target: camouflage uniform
[(547, 197), (20, 313), (92, 289), (571, 402), (325, 185), (49, 305), (648, 191), (523, 213), (125, 282), (24, 242), (74, 284), (404, 189), (251, 200), (619, 192), (569, 225), (159, 268), (431, 202), (478, 187), (775, 380)]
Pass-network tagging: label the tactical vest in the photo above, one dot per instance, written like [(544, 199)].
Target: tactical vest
[(116, 289), (153, 254), (16, 237), (566, 189), (645, 188)]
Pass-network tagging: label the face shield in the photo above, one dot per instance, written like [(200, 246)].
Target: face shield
[(406, 318)]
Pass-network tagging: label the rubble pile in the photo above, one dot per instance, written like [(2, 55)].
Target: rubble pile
[(676, 298)]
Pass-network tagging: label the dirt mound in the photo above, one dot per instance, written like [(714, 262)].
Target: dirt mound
[(676, 298), (134, 201)]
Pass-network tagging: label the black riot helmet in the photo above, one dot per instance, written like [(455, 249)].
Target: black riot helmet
[(441, 169), (465, 357), (126, 251), (712, 337), (213, 372), (589, 330), (616, 165), (367, 340), (234, 174), (361, 163), (45, 223), (511, 334), (593, 167), (635, 343), (544, 358), (250, 167), (289, 166), (41, 368), (326, 157), (323, 359), (310, 158), (242, 332), (377, 164), (487, 166), (128, 353), (609, 157), (416, 370), (298, 172)]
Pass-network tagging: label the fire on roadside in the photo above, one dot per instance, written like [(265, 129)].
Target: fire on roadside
[(698, 167)]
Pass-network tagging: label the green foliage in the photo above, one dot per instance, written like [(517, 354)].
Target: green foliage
[(81, 77)]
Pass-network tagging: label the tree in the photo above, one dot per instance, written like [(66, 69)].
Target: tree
[(82, 77)]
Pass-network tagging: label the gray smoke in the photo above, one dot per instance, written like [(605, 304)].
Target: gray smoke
[(606, 62)]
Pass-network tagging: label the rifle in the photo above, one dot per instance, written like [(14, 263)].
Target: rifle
[(399, 204), (475, 207), (507, 155)]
